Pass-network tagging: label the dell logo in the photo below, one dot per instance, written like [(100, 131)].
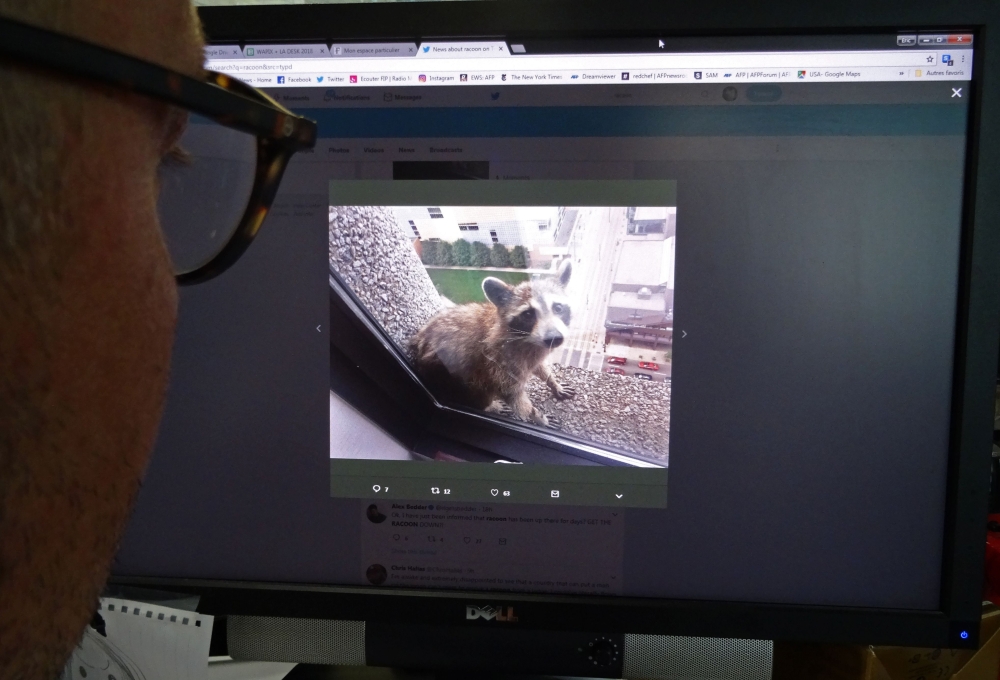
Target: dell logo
[(490, 613)]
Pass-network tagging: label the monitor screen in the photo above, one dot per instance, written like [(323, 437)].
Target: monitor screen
[(663, 318)]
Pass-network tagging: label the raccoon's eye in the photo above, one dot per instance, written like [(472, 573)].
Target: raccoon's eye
[(557, 308), (527, 315)]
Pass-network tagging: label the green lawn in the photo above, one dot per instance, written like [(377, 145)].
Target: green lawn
[(465, 285)]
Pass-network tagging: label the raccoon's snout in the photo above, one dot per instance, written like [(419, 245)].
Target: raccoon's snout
[(553, 339)]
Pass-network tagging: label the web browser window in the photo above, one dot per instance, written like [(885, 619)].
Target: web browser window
[(713, 282)]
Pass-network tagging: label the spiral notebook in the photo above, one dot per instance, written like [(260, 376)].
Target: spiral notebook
[(142, 642)]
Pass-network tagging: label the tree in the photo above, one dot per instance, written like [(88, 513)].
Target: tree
[(461, 253), (500, 256), (480, 255), (519, 257), (445, 256), (429, 252)]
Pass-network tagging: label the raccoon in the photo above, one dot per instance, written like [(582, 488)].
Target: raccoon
[(481, 353)]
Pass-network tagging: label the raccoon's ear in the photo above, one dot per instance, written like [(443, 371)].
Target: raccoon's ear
[(497, 292), (565, 269)]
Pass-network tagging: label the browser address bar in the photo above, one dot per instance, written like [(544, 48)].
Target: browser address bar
[(562, 62)]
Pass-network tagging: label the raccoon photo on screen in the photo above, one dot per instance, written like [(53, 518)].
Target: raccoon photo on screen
[(479, 354), (556, 316)]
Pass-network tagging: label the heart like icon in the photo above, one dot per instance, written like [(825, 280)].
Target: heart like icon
[(494, 491), (467, 539)]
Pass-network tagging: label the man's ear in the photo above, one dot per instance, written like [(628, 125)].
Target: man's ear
[(565, 269), (497, 292)]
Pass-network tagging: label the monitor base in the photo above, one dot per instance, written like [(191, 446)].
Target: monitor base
[(355, 650)]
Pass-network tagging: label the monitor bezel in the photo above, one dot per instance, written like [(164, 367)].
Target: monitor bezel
[(978, 323)]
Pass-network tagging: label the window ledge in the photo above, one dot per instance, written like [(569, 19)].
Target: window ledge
[(614, 410)]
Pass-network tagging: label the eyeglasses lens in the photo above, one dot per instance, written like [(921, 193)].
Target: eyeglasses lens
[(205, 187)]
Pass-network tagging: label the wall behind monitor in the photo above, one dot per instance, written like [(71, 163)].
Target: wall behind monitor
[(231, 3)]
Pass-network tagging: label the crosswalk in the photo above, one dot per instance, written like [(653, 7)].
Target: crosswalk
[(578, 358)]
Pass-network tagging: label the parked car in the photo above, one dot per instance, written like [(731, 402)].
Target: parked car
[(643, 376), (649, 365), (617, 360), (617, 371)]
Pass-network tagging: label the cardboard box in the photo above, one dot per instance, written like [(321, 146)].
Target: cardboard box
[(794, 661)]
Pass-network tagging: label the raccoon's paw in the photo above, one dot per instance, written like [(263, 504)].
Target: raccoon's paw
[(500, 408), (554, 422), (538, 418), (565, 392)]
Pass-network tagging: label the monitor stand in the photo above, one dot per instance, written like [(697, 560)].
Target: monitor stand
[(355, 650)]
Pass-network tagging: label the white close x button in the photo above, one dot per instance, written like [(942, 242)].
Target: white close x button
[(956, 92)]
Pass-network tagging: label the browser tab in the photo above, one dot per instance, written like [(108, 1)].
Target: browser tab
[(286, 52), (368, 50), (223, 52), (463, 49)]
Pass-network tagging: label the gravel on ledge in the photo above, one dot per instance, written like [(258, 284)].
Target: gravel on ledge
[(379, 263), (617, 410)]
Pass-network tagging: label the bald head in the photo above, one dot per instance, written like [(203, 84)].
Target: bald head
[(87, 308)]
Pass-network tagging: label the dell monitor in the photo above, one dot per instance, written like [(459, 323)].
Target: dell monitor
[(585, 323)]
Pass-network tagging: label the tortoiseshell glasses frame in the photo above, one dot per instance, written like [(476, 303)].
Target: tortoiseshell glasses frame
[(219, 98)]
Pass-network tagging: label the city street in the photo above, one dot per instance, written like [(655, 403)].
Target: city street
[(632, 371), (633, 355), (594, 247)]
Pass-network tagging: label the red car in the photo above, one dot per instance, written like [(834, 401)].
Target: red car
[(617, 360), (649, 365), (617, 371)]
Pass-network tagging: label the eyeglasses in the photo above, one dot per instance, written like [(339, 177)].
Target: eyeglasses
[(216, 191)]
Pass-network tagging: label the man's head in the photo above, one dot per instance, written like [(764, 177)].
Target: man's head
[(87, 307)]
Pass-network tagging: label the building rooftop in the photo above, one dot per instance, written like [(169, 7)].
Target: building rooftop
[(645, 263), (625, 300), (650, 214)]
